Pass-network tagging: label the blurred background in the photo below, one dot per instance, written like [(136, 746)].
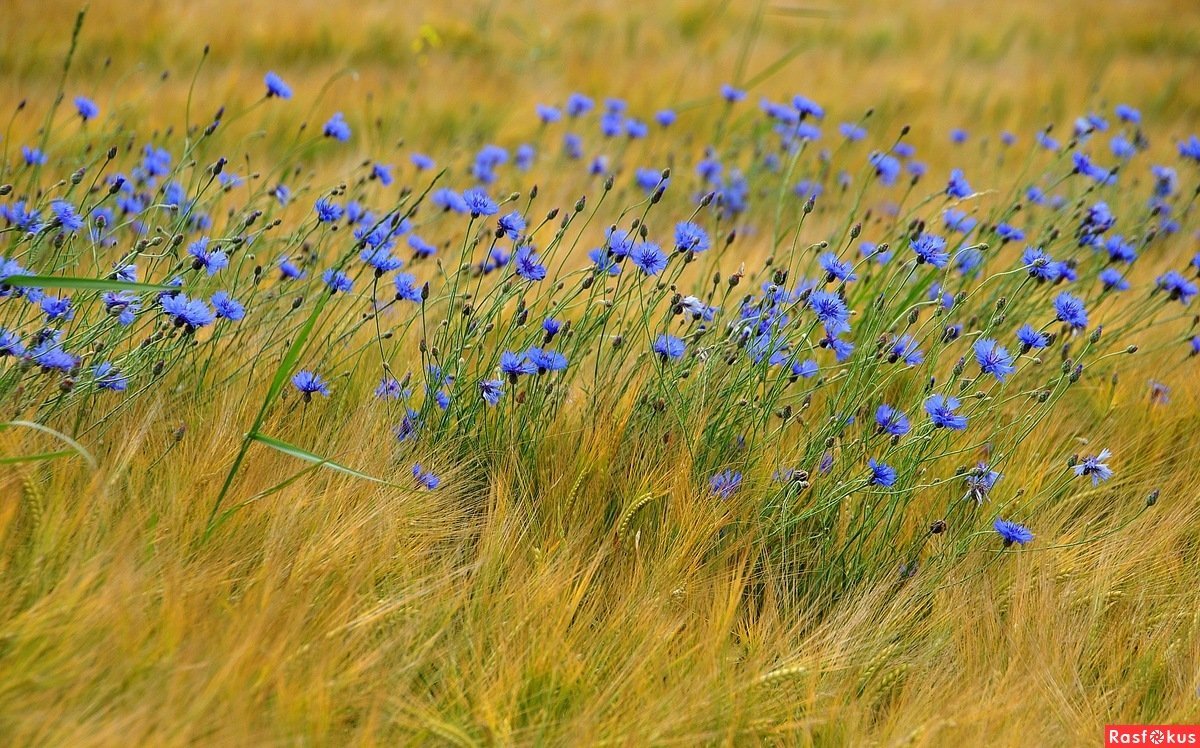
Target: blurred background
[(476, 67)]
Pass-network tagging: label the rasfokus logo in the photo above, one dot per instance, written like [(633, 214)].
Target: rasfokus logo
[(1151, 735)]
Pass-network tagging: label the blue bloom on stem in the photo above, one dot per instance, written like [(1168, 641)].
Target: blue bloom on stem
[(327, 210), (276, 88), (941, 411), (57, 308), (882, 474), (491, 390), (1070, 309), (190, 314), (425, 478), (337, 128), (957, 186), (546, 360), (648, 257), (836, 269), (10, 343), (228, 307), (891, 421), (478, 203), (725, 483), (337, 280), (669, 347), (86, 108), (831, 311), (1178, 288), (513, 365), (1030, 338), (931, 248), (1112, 280), (1011, 532), (310, 383), (691, 237), (905, 349), (1096, 467), (993, 358), (108, 377), (528, 264), (980, 481)]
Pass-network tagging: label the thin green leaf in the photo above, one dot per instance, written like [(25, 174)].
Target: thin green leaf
[(57, 435), (82, 284), (303, 454), (38, 457)]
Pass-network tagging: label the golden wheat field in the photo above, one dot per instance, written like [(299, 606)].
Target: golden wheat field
[(304, 441)]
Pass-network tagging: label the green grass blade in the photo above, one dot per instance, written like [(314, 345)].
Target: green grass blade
[(82, 284), (303, 454), (74, 445), (38, 457)]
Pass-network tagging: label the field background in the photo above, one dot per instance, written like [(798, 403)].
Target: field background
[(335, 613)]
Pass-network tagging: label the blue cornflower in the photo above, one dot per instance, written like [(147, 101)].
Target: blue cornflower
[(959, 220), (1096, 467), (980, 480), (1041, 266), (649, 257), (1122, 148), (513, 365), (725, 483), (636, 129), (993, 358), (524, 157), (491, 390), (86, 108), (958, 136), (1126, 113), (310, 383), (905, 349), (831, 311), (276, 88), (691, 237), (478, 203), (511, 225), (578, 105), (190, 314), (852, 132), (1098, 220), (425, 478), (891, 421), (842, 349), (1012, 532), (383, 173), (1009, 233), (407, 288), (1190, 148), (10, 343), (1112, 280), (887, 168), (1045, 141), (65, 216), (449, 200), (669, 347), (731, 94), (390, 389), (941, 411), (33, 156), (282, 194), (664, 117), (1176, 286), (1070, 309), (1120, 250), (421, 161), (603, 261), (228, 307), (337, 128), (108, 377), (697, 308), (420, 247), (289, 270), (528, 264), (57, 308), (931, 248), (546, 360), (210, 260), (836, 269), (882, 474), (957, 186), (548, 114), (1029, 338), (806, 107), (337, 281), (50, 356), (380, 258), (327, 210), (805, 369), (121, 304)]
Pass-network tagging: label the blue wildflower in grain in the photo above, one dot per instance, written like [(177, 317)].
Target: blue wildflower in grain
[(941, 410), (1011, 532), (1095, 466), (309, 383)]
